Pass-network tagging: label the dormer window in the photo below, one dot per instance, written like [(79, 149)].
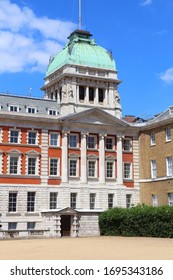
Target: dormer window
[(52, 112), (31, 110), (13, 108)]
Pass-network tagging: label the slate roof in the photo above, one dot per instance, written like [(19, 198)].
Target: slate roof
[(23, 102)]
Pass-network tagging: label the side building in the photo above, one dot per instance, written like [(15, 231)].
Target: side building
[(156, 156), (68, 156)]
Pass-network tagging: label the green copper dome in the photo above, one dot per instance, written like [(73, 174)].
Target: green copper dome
[(81, 50)]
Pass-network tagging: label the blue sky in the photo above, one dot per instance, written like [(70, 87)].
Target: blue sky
[(138, 32)]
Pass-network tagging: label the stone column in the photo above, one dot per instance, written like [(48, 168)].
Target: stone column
[(119, 159), (64, 156), (83, 157), (87, 95), (102, 158), (96, 96)]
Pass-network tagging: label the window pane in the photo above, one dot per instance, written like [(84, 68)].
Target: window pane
[(109, 169), (91, 168), (14, 134), (72, 141), (31, 202), (31, 225), (73, 197), (127, 170), (153, 169), (92, 200), (31, 166), (73, 168), (110, 200), (109, 143), (126, 145), (12, 202), (128, 200), (53, 200), (12, 226), (91, 142), (32, 138), (53, 166), (53, 139), (169, 166), (168, 134), (13, 165), (152, 138)]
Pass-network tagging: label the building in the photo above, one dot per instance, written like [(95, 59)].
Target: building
[(156, 154), (69, 156)]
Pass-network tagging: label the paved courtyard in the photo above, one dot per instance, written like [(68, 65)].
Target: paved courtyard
[(95, 248)]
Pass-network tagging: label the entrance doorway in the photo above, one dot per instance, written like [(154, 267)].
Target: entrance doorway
[(65, 225)]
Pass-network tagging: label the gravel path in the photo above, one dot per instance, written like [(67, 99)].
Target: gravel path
[(90, 248)]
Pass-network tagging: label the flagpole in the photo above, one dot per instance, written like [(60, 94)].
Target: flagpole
[(80, 14)]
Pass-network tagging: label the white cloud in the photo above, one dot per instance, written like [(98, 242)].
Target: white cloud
[(27, 41), (167, 76), (146, 2)]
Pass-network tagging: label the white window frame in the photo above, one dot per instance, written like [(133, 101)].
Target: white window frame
[(153, 169), (53, 200), (94, 162), (31, 202), (32, 109), (129, 141), (129, 171), (92, 201), (76, 167), (168, 134), (152, 138), (36, 137), (58, 139), (18, 137), (169, 166), (155, 200), (57, 167), (12, 202), (77, 140), (113, 169), (110, 200), (14, 154), (95, 142), (10, 106), (35, 155), (170, 199), (128, 200), (113, 143), (52, 112), (73, 200)]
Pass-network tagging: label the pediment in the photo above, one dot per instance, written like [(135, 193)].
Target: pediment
[(95, 116), (67, 211)]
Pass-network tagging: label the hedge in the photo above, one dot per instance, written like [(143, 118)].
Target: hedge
[(137, 221)]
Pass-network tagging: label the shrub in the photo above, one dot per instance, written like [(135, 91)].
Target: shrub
[(138, 221)]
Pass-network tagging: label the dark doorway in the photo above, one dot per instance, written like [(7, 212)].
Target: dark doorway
[(65, 225)]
